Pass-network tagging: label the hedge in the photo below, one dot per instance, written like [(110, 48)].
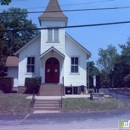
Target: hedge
[(6, 84), (32, 84)]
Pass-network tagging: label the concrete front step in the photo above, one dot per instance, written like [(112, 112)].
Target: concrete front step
[(52, 105), (48, 105), (48, 101), (51, 90), (45, 112), (47, 108)]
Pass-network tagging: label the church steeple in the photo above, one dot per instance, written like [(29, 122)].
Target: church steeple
[(50, 13)]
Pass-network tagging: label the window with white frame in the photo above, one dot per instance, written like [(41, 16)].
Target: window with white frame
[(74, 64), (53, 35), (30, 64)]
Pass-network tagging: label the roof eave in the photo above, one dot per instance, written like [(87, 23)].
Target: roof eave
[(88, 53), (50, 49), (16, 53)]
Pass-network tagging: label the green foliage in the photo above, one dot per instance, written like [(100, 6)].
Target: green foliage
[(127, 80), (121, 71), (5, 2), (106, 62), (12, 41), (92, 71), (6, 84), (32, 84)]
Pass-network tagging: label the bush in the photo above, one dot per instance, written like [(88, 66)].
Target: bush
[(127, 80), (32, 84), (6, 84), (90, 91)]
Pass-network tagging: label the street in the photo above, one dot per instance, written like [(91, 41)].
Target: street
[(65, 121)]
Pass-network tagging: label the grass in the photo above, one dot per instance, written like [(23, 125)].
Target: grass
[(14, 104), (87, 105), (17, 104)]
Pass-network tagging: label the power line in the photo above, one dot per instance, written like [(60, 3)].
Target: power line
[(71, 4), (77, 4), (74, 26), (75, 10)]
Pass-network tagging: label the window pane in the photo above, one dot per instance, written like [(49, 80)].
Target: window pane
[(76, 69), (56, 35), (49, 35), (76, 61), (72, 69), (32, 69), (48, 62), (33, 60), (28, 60), (30, 64), (56, 62), (72, 61), (28, 69)]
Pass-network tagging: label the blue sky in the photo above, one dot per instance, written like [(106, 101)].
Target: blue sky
[(91, 38)]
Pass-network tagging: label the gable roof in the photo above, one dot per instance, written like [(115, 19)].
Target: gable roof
[(53, 10), (12, 61), (79, 45), (16, 53), (52, 49)]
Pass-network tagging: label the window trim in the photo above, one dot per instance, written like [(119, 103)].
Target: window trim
[(53, 36), (31, 64), (74, 73)]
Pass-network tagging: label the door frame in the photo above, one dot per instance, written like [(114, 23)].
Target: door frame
[(45, 68)]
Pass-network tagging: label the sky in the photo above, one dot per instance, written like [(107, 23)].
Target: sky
[(92, 38)]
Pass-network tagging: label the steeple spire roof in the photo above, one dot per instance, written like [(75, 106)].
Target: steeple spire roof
[(53, 5)]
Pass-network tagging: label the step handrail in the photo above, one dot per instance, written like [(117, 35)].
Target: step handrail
[(62, 90), (33, 100)]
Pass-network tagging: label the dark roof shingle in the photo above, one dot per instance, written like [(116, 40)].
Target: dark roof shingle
[(53, 5)]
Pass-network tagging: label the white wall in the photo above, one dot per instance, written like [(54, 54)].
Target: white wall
[(32, 49), (73, 51), (13, 72), (44, 34)]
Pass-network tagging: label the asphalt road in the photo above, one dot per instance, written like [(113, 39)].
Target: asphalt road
[(66, 121)]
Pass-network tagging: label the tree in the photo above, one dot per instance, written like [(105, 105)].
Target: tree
[(92, 71), (121, 72), (5, 2), (106, 61), (11, 41)]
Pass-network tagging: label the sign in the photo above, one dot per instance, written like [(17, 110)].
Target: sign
[(124, 125)]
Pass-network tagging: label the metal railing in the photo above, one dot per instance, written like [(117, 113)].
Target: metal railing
[(120, 91), (33, 100), (62, 89)]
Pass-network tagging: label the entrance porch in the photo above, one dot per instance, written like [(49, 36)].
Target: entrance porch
[(52, 68)]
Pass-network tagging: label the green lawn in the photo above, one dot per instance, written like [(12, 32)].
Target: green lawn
[(17, 104), (14, 104), (87, 105)]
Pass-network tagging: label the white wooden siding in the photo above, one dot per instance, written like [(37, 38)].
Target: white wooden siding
[(73, 51), (13, 72), (32, 49), (45, 45)]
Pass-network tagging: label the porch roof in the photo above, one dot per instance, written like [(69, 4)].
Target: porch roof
[(12, 61), (52, 49)]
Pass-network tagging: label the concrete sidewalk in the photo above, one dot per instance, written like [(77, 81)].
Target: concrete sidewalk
[(58, 97)]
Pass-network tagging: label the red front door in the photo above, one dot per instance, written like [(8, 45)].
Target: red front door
[(52, 71)]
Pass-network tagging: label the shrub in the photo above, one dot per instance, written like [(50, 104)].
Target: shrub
[(6, 84), (90, 91), (127, 80), (32, 84)]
